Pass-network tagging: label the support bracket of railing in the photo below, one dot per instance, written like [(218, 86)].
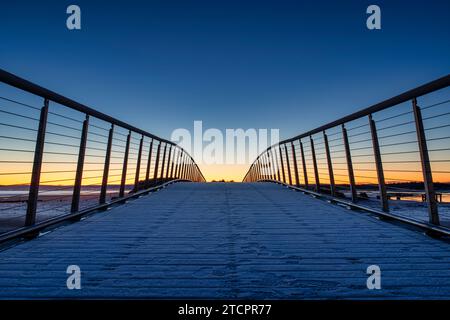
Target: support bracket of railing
[(106, 166), (80, 165), (316, 171), (426, 166), (30, 217), (305, 173), (348, 156), (125, 166), (330, 165), (379, 166)]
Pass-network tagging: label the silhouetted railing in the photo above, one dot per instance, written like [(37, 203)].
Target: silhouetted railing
[(60, 159), (394, 155)]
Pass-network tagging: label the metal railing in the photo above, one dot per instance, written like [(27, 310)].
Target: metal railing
[(60, 159), (392, 158)]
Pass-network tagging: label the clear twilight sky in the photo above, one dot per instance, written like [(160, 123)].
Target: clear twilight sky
[(292, 65)]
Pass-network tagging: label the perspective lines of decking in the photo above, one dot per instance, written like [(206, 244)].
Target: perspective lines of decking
[(216, 240)]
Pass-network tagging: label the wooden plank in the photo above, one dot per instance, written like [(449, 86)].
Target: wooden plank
[(255, 240)]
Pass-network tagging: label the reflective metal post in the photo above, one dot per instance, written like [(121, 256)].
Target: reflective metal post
[(33, 192), (426, 167), (80, 164)]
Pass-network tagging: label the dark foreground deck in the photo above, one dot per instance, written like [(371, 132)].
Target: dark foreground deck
[(228, 241)]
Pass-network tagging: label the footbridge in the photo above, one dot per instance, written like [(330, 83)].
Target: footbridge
[(358, 208)]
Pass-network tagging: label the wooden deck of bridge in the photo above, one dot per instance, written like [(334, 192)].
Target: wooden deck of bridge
[(232, 240)]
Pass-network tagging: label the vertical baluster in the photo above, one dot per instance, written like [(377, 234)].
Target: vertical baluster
[(33, 192), (330, 165), (294, 158), (138, 165), (106, 166), (272, 164), (191, 169), (269, 161), (183, 167), (163, 163), (305, 172), (185, 162), (277, 161), (257, 171), (426, 166), (169, 158), (260, 169), (149, 163), (80, 164), (125, 166), (155, 171), (288, 164), (188, 168), (264, 167), (269, 167), (175, 150), (316, 171), (282, 164), (379, 166), (177, 169), (348, 156)]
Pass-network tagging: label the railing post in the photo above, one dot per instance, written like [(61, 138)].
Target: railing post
[(174, 157), (177, 168), (163, 163), (288, 164), (316, 171), (193, 177), (75, 207), (149, 162), (168, 161), (270, 161), (33, 193), (379, 166), (294, 158), (426, 166), (138, 165), (125, 166), (258, 169), (188, 168), (282, 164), (305, 172), (272, 164), (104, 187), (191, 167), (266, 167), (348, 156), (330, 165), (277, 161), (183, 166), (260, 166), (269, 166), (158, 155)]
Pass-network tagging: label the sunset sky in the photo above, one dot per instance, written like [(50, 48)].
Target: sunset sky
[(161, 65)]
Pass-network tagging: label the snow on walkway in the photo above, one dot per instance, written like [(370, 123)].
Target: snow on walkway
[(232, 240)]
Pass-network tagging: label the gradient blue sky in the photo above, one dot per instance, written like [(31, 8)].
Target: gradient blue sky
[(292, 65)]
